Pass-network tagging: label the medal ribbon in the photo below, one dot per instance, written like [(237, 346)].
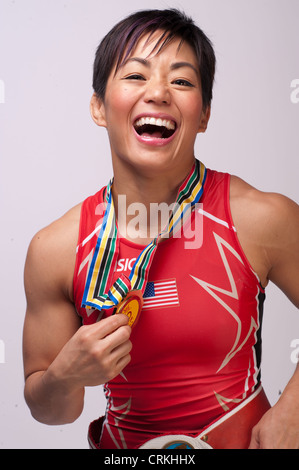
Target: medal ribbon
[(97, 293)]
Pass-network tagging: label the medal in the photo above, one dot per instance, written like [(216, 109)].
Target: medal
[(131, 306), (125, 295)]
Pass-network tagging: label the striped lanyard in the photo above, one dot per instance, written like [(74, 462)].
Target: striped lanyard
[(98, 293)]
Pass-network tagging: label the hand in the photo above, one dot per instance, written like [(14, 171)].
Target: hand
[(95, 354), (278, 429)]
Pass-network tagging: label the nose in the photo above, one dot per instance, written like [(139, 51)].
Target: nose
[(157, 92)]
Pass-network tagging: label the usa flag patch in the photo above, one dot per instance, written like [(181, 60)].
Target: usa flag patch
[(159, 294)]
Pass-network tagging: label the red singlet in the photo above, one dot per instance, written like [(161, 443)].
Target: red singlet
[(197, 345)]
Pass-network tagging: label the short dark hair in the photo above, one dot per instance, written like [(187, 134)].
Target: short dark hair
[(117, 45)]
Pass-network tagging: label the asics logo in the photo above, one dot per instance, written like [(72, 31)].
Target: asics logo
[(125, 264)]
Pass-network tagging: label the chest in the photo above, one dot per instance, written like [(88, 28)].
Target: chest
[(197, 298)]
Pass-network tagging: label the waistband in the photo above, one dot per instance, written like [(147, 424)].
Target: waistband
[(231, 431)]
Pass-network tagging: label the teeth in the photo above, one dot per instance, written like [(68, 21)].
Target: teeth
[(155, 122)]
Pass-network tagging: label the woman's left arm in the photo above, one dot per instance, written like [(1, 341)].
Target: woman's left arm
[(279, 427)]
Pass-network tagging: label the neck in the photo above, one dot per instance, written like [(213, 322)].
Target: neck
[(143, 202)]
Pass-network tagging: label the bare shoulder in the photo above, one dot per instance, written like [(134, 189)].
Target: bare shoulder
[(266, 210), (267, 225), (51, 253)]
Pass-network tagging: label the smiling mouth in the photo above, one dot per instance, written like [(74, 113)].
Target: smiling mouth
[(150, 127)]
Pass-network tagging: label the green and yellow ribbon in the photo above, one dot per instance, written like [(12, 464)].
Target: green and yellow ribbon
[(98, 292)]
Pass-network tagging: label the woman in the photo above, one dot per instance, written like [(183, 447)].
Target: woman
[(187, 373)]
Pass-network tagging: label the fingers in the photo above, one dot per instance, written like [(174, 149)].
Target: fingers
[(122, 350), (107, 326), (114, 334), (117, 331), (102, 349), (120, 356), (122, 363), (116, 347)]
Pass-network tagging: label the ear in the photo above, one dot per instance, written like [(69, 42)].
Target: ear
[(97, 111), (204, 119)]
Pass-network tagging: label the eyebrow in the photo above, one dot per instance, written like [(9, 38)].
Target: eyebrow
[(174, 66), (178, 65), (137, 59)]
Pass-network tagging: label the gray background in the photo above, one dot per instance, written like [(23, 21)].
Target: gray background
[(52, 155)]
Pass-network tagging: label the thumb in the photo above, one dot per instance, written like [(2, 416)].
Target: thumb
[(255, 441)]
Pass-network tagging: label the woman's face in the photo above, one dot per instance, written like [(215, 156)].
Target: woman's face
[(153, 108)]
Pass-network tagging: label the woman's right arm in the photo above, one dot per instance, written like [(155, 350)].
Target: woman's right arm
[(61, 357)]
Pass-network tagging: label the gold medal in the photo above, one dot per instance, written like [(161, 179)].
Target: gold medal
[(131, 306)]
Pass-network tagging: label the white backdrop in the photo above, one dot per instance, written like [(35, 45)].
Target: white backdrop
[(52, 155)]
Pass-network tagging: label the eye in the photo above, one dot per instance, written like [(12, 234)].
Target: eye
[(182, 82), (134, 76)]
